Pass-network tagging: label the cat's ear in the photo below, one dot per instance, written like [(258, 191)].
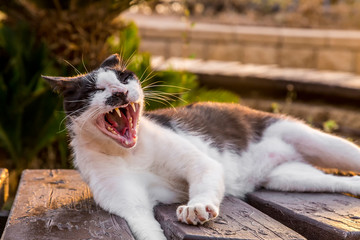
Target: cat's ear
[(62, 84), (112, 61)]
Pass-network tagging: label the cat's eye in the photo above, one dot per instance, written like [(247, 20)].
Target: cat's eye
[(125, 80), (99, 89)]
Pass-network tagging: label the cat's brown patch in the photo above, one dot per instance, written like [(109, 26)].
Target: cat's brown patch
[(226, 126)]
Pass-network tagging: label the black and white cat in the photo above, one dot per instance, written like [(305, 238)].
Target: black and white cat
[(195, 154)]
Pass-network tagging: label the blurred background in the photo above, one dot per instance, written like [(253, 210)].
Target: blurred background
[(295, 57)]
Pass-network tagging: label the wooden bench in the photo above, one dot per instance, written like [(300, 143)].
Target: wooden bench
[(57, 204)]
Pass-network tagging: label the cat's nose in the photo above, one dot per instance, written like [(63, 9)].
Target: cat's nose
[(118, 98), (121, 95)]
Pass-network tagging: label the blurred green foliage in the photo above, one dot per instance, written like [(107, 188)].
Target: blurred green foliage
[(31, 114), (330, 126)]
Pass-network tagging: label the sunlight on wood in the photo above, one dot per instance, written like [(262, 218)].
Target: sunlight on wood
[(4, 185)]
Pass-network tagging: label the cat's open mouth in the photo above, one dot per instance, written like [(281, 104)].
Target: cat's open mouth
[(120, 124)]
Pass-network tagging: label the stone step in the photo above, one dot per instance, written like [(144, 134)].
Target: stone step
[(245, 78), (322, 49)]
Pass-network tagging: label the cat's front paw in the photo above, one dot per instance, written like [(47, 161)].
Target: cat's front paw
[(197, 213)]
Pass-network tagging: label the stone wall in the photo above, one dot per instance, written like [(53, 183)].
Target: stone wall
[(286, 47)]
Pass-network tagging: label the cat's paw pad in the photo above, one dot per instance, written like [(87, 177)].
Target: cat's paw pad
[(197, 213)]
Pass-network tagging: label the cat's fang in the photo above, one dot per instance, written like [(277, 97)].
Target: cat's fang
[(118, 112), (133, 106)]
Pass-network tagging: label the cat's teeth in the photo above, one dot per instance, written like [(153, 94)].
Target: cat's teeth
[(133, 106), (118, 112), (130, 122), (112, 130)]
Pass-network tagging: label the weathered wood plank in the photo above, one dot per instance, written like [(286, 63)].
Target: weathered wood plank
[(314, 215), (4, 186), (237, 220), (57, 204)]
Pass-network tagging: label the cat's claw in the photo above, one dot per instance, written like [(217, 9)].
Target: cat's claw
[(197, 213)]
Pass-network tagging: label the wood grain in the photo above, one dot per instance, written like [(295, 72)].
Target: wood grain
[(314, 215), (57, 204), (237, 220)]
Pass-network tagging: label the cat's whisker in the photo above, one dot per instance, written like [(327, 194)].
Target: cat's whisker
[(87, 76), (75, 69), (92, 79), (142, 75), (159, 93), (161, 100), (82, 60), (68, 125), (151, 72), (151, 84), (69, 115), (90, 116), (121, 54), (164, 85), (148, 77), (166, 93), (149, 93), (146, 102), (165, 100), (129, 60), (171, 95)]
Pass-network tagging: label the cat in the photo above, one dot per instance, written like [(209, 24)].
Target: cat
[(196, 154)]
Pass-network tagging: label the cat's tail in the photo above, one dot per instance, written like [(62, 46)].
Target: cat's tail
[(318, 148)]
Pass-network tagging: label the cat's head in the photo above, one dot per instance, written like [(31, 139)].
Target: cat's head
[(106, 102)]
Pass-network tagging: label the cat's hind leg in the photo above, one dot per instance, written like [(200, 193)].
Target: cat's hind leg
[(302, 177), (318, 148)]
